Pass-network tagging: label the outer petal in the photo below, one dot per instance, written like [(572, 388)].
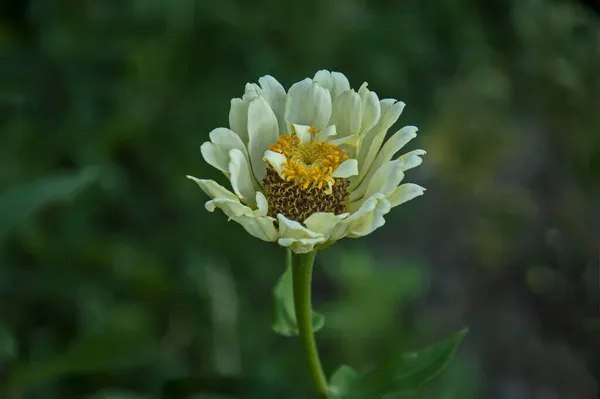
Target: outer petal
[(259, 227), (323, 222), (231, 208), (371, 108), (372, 140), (365, 220), (263, 131), (308, 104), (216, 152), (335, 82), (297, 237), (347, 113), (346, 169), (389, 149), (240, 176), (404, 193), (412, 159), (384, 181), (214, 189), (275, 95), (276, 160), (215, 157), (238, 118), (262, 205)]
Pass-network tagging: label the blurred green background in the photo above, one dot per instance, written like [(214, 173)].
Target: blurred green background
[(126, 287)]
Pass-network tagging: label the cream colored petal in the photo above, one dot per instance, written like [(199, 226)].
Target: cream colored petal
[(371, 109), (251, 92), (262, 205), (300, 245), (365, 220), (347, 113), (323, 222), (215, 157), (238, 118), (351, 141), (213, 189), (372, 140), (335, 82), (231, 208), (324, 78), (323, 135), (226, 140), (240, 176), (259, 227), (384, 181), (293, 229), (308, 104), (263, 131), (412, 159), (275, 95), (303, 133), (389, 149), (346, 169), (405, 192), (276, 160), (340, 84)]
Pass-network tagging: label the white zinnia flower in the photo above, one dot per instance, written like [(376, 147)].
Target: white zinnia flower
[(307, 167)]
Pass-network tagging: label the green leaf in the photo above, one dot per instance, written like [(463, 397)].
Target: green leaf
[(342, 382), (284, 314), (412, 370), (19, 203)]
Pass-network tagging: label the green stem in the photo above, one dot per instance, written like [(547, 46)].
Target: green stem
[(302, 265)]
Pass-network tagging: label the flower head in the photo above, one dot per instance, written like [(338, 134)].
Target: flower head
[(310, 166)]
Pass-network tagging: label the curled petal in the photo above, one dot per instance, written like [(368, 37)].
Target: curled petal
[(259, 227), (213, 189), (276, 160), (241, 176), (324, 223), (368, 218), (404, 193), (308, 104), (263, 131), (346, 169)]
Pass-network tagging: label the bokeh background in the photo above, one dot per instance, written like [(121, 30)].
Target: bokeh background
[(127, 288)]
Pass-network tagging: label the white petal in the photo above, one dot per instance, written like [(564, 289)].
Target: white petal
[(262, 205), (371, 108), (240, 176), (300, 245), (324, 134), (276, 160), (275, 95), (215, 157), (231, 208), (365, 220), (372, 140), (293, 229), (389, 149), (347, 113), (309, 104), (323, 222), (384, 180), (251, 92), (214, 189), (238, 118), (263, 131), (340, 84), (324, 78), (351, 141), (346, 169), (412, 159), (260, 227), (303, 133), (404, 193), (226, 140)]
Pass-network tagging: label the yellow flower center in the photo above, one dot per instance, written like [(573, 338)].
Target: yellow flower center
[(309, 164), (308, 185)]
